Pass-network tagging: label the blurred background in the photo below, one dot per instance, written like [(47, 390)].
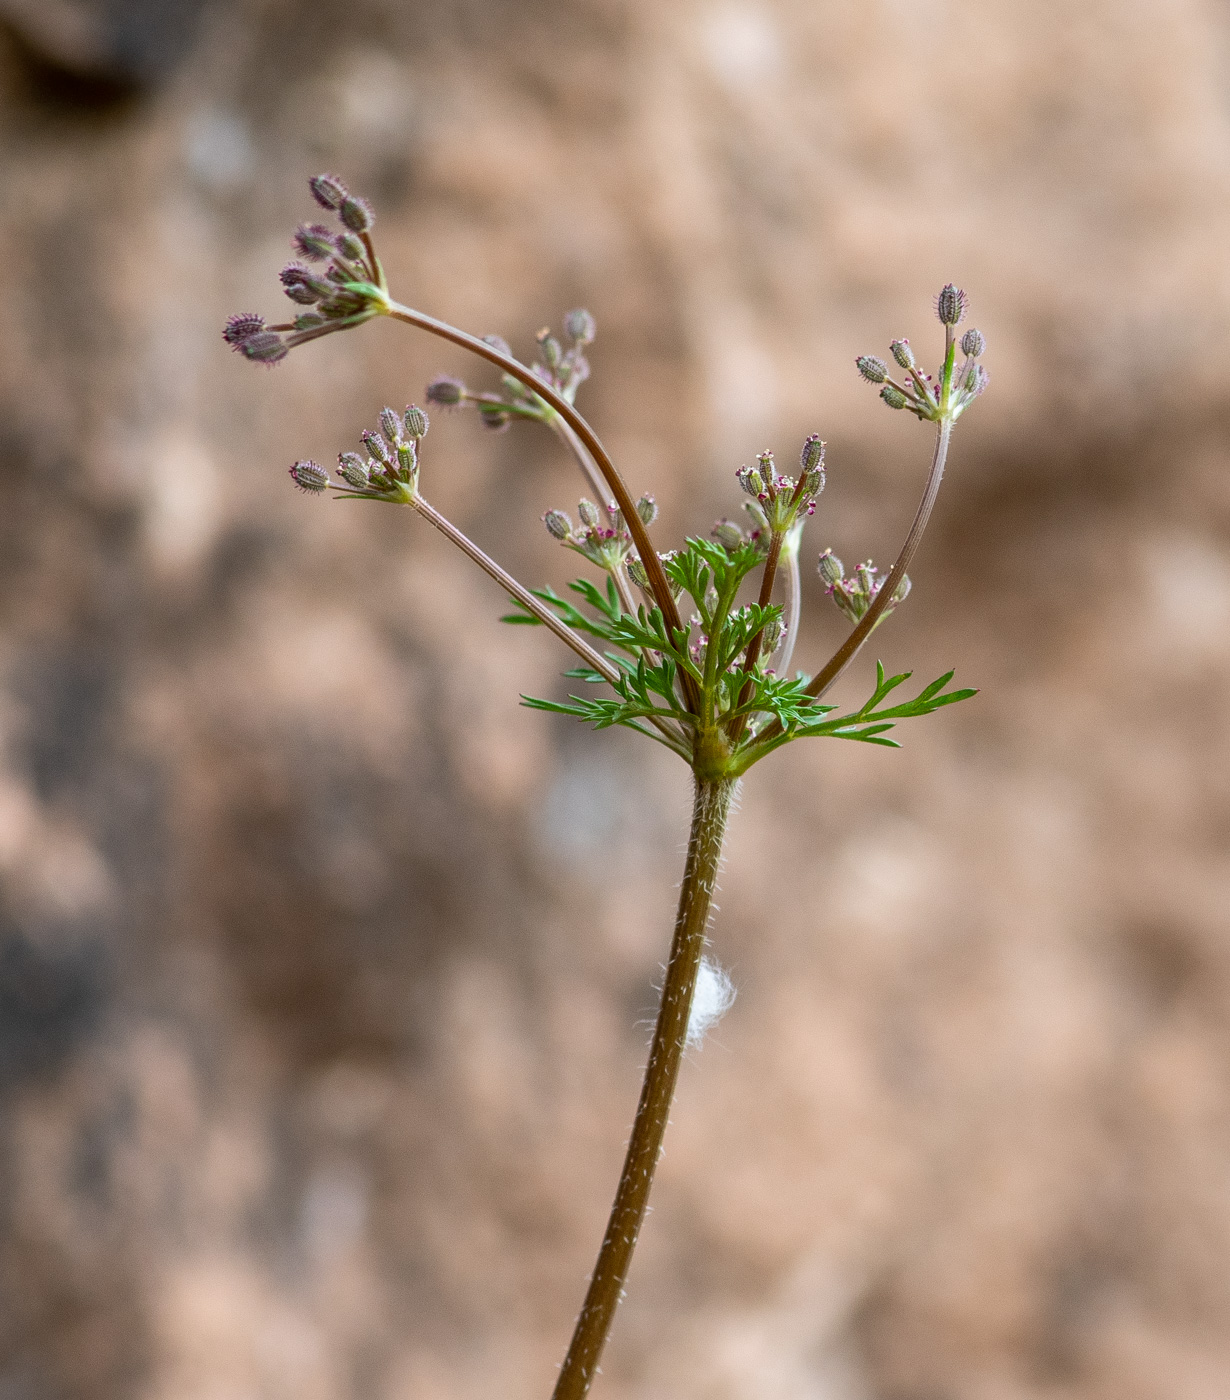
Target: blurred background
[(325, 969)]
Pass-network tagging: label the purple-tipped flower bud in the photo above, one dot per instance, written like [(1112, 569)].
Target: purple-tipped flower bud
[(950, 305), (647, 509), (812, 455), (352, 470), (314, 241), (310, 476), (302, 285), (579, 326), (751, 480), (356, 214), (973, 343), (445, 390), (588, 512), (902, 353), (390, 426), (558, 524), (407, 459), (831, 569), (415, 421), (872, 369), (265, 348), (728, 534), (893, 396), (242, 327), (375, 445), (327, 190)]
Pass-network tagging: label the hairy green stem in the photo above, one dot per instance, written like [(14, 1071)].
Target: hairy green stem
[(709, 814)]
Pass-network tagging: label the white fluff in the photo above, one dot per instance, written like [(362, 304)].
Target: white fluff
[(713, 998)]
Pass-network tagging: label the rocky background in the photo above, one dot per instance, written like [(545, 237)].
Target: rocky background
[(325, 969)]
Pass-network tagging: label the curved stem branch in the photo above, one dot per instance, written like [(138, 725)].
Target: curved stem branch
[(712, 806)]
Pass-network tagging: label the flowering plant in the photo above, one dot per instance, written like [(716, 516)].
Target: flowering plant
[(667, 644)]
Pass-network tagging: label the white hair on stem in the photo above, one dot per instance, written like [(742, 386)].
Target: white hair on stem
[(714, 996)]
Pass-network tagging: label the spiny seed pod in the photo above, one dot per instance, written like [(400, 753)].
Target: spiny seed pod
[(356, 214), (950, 305), (588, 512), (407, 459), (636, 571), (874, 370), (415, 421), (242, 327), (579, 326), (552, 350), (445, 390), (831, 569), (812, 455), (493, 417), (327, 190), (265, 347), (350, 248), (375, 445), (812, 484), (751, 481), (902, 353), (558, 524), (390, 426), (352, 471), (728, 534), (310, 476), (314, 241), (865, 574), (893, 396), (302, 285), (973, 343), (647, 509), (308, 321)]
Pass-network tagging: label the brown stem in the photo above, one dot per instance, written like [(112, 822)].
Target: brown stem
[(712, 806)]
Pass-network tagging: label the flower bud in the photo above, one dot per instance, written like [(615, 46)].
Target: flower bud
[(579, 326), (812, 455), (415, 421), (588, 512), (356, 214), (558, 524), (308, 321), (551, 349), (265, 348), (950, 305), (350, 248), (390, 426), (973, 343), (375, 445), (751, 481), (872, 369), (902, 353), (302, 285), (310, 476), (242, 327), (493, 417), (445, 390), (352, 471), (327, 190), (647, 509), (831, 569), (407, 460), (314, 242), (893, 396), (728, 534)]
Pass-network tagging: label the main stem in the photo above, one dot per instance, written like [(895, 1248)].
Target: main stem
[(712, 806)]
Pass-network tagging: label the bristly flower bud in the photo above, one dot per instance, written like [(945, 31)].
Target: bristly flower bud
[(356, 214), (352, 471), (902, 353), (728, 535), (308, 321), (873, 369), (973, 343), (493, 417), (446, 390), (375, 445), (812, 455), (350, 248), (579, 326), (314, 242), (950, 305), (327, 190), (588, 512), (242, 327), (647, 509), (302, 285), (415, 421), (310, 476), (751, 480), (265, 347), (390, 426), (552, 350), (558, 524), (893, 396), (831, 569)]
